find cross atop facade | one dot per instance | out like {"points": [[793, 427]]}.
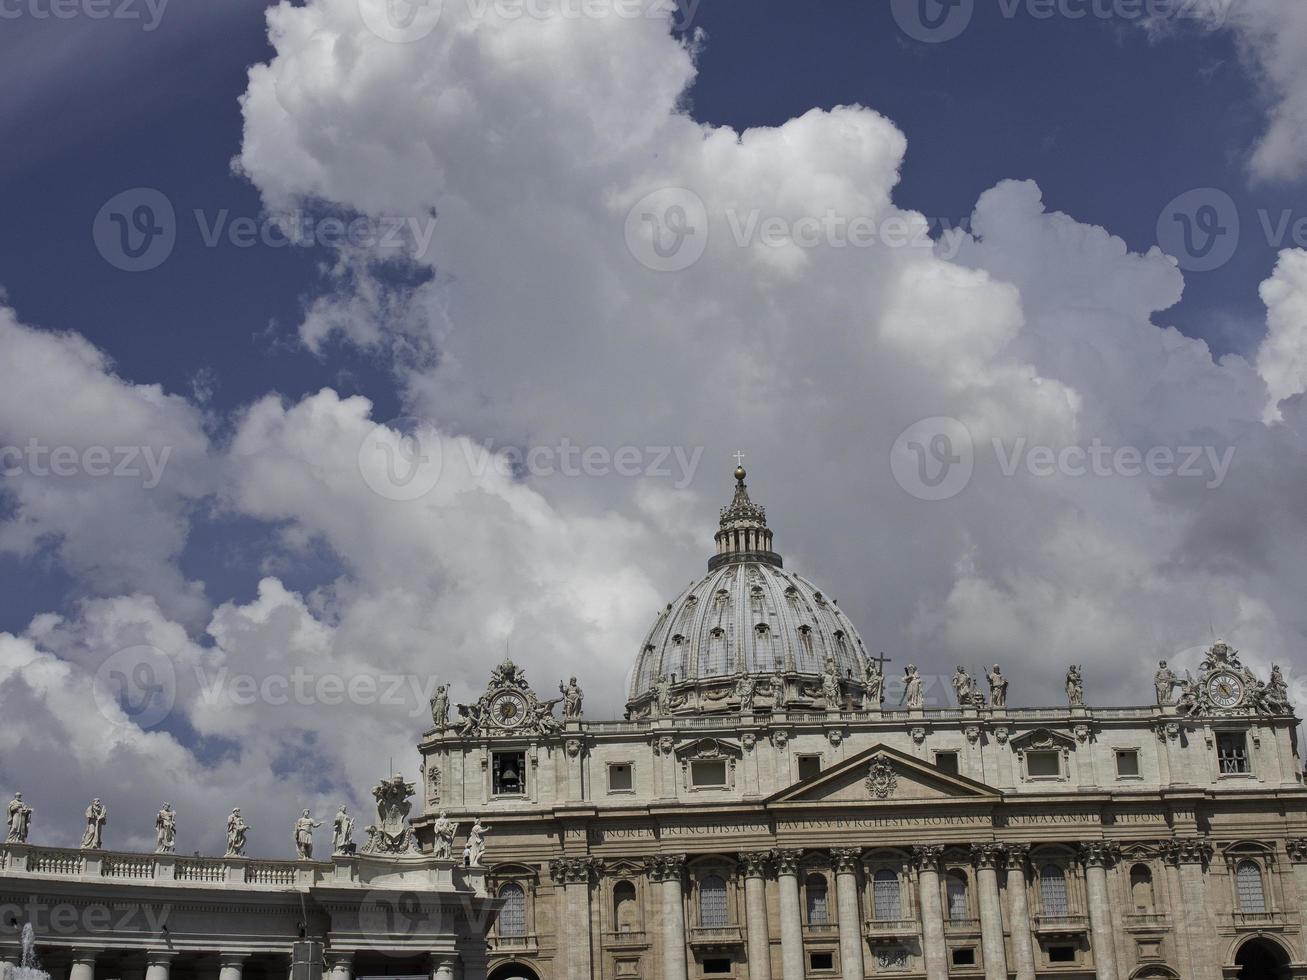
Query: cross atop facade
{"points": [[739, 457], [882, 660]]}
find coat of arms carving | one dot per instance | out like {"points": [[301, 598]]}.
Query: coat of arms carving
{"points": [[881, 780]]}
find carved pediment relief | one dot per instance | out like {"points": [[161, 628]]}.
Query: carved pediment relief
{"points": [[710, 748], [883, 775], [1043, 739]]}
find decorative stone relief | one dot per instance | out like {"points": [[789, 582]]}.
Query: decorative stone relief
{"points": [[845, 859], [1001, 734], [779, 739], [927, 856], [918, 734], [1082, 733], [988, 855], [835, 737], [1297, 848], [973, 733], [391, 834], [573, 747], [1187, 850], [787, 861], [1097, 853], [433, 784], [574, 870], [665, 867], [881, 780], [755, 864], [748, 740]]}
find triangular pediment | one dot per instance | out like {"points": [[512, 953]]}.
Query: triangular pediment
{"points": [[884, 774], [710, 748], [1044, 738]]}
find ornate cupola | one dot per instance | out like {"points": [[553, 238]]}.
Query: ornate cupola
{"points": [[743, 534]]}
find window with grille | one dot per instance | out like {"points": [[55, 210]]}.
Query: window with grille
{"points": [[512, 918], [886, 901], [712, 901], [1248, 879], [818, 907], [1232, 751], [956, 890], [1052, 890]]}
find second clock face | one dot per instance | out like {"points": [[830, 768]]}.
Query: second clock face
{"points": [[1225, 689], [508, 709]]}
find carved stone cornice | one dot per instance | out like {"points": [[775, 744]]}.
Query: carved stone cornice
{"points": [[787, 861], [926, 857], [574, 870], [1297, 848], [989, 855], [1187, 850], [665, 867], [1097, 853], [755, 864], [846, 859]]}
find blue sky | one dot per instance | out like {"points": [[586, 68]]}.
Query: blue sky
{"points": [[529, 322]]}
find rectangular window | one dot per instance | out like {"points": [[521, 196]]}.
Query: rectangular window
{"points": [[1044, 764], [1127, 763], [821, 961], [809, 766], [509, 773], [947, 761], [964, 957], [1232, 753], [1061, 954], [717, 965], [708, 773], [887, 904], [619, 777]]}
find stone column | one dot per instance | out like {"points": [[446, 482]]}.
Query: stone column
{"points": [[754, 866], [668, 870], [1096, 856], [927, 858], [987, 858], [340, 966], [787, 879], [230, 966], [1190, 855], [850, 918], [1023, 944], [158, 964], [1297, 849], [82, 964], [573, 874]]}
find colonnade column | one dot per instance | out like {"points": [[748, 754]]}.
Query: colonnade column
{"points": [[573, 873], [787, 880], [926, 857], [231, 965], [988, 857], [82, 964], [1190, 855], [158, 964], [846, 905], [754, 865], [1096, 856], [668, 870], [1023, 944]]}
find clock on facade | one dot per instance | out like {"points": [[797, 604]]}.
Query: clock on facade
{"points": [[508, 709], [1225, 689]]}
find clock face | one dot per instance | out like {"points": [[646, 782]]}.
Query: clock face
{"points": [[508, 709], [1225, 689]]}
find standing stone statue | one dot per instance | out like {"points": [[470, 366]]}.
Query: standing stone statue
{"points": [[96, 814], [342, 832], [1277, 692], [444, 830], [237, 828], [964, 686], [830, 685], [476, 843], [745, 690], [304, 828], [873, 680], [662, 696], [914, 688], [165, 830], [572, 698], [997, 687], [1075, 687], [1164, 683], [440, 707], [20, 820]]}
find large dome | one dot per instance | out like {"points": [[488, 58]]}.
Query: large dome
{"points": [[747, 617]]}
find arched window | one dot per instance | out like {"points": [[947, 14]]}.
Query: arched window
{"points": [[712, 901], [512, 919], [1248, 881], [818, 907], [1141, 888], [1052, 890], [624, 911], [955, 888], [886, 900]]}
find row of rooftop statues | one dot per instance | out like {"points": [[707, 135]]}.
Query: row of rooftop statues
{"points": [[390, 836]]}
